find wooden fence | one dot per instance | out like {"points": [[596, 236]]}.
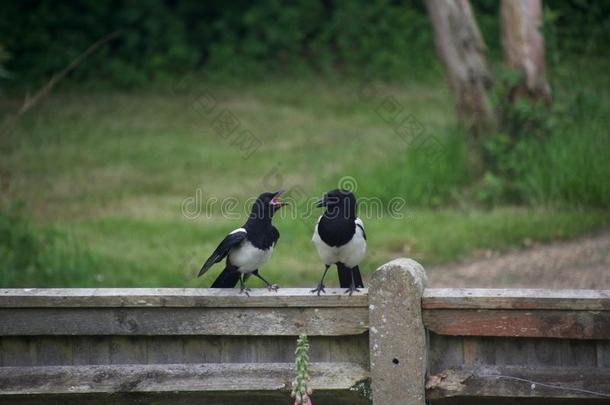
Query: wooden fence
{"points": [[397, 343]]}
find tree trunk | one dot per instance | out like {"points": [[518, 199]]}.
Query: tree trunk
{"points": [[523, 46], [461, 49]]}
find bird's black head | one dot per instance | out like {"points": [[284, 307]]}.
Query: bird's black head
{"points": [[266, 205], [339, 202]]}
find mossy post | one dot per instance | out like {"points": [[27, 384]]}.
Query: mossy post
{"points": [[397, 337]]}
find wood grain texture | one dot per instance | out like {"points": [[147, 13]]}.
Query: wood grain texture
{"points": [[17, 351], [128, 350], [509, 382], [322, 397], [603, 353], [52, 351], [202, 349], [488, 298], [176, 297], [172, 378], [442, 298], [184, 321], [90, 350], [444, 352], [519, 323], [175, 349]]}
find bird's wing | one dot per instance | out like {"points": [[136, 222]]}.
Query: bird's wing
{"points": [[230, 241], [360, 225], [276, 235]]}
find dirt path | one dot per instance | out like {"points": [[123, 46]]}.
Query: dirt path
{"points": [[580, 263]]}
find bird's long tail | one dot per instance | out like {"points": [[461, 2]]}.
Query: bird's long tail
{"points": [[345, 276], [228, 278]]}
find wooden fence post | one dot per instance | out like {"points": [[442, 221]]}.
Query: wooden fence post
{"points": [[397, 337]]}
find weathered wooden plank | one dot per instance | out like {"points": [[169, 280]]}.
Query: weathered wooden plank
{"points": [[172, 378], [183, 321], [279, 349], [18, 351], [579, 353], [519, 323], [353, 349], [321, 397], [444, 352], [176, 297], [546, 352], [509, 352], [237, 349], [319, 349], [470, 347], [603, 353], [520, 382], [485, 351], [51, 351], [164, 350], [90, 350], [446, 298], [397, 338], [128, 349], [202, 349], [488, 298]]}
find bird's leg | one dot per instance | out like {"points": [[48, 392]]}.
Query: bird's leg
{"points": [[270, 287], [320, 287], [242, 285], [352, 288]]}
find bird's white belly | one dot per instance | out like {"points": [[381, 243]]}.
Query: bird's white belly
{"points": [[248, 258], [350, 254]]}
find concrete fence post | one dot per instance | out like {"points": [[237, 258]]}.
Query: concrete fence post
{"points": [[397, 337]]}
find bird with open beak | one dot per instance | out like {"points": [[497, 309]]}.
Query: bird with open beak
{"points": [[247, 248]]}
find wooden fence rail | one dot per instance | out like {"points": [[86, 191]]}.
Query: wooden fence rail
{"points": [[394, 343]]}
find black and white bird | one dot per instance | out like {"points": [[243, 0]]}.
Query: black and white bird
{"points": [[249, 247], [340, 239]]}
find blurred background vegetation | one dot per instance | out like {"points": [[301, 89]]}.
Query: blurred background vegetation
{"points": [[94, 179]]}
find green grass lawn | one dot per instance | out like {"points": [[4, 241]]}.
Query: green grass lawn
{"points": [[105, 178]]}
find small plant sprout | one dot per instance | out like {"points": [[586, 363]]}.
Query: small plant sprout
{"points": [[300, 390]]}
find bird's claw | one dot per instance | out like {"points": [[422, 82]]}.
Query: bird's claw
{"points": [[351, 290], [318, 289], [273, 287], [245, 290]]}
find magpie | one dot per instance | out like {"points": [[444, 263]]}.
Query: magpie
{"points": [[340, 239], [249, 247]]}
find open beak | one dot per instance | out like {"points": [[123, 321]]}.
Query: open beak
{"points": [[321, 202], [275, 202]]}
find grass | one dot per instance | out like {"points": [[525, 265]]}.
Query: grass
{"points": [[113, 173]]}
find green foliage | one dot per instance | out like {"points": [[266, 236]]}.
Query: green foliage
{"points": [[4, 57], [571, 168], [4, 73], [45, 36], [380, 38], [576, 27], [39, 257], [430, 174], [551, 157], [163, 39], [520, 117]]}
